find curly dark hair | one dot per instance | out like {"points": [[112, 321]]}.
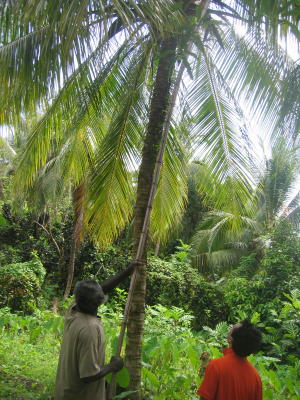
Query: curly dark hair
{"points": [[88, 296], [246, 339]]}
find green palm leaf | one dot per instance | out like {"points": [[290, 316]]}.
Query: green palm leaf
{"points": [[218, 140], [75, 108], [171, 194], [112, 192]]}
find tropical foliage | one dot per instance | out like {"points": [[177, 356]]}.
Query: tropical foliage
{"points": [[226, 234], [166, 375], [91, 88], [110, 83]]}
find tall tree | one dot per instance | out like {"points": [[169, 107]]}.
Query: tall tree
{"points": [[158, 110]]}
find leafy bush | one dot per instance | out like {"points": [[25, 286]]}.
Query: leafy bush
{"points": [[261, 280], [243, 296], [208, 305], [21, 284], [282, 336], [171, 320], [36, 325], [279, 382], [94, 264], [176, 283], [9, 255], [28, 362]]}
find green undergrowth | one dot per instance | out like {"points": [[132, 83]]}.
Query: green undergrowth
{"points": [[27, 368], [171, 356]]}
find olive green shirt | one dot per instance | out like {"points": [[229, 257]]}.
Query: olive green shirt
{"points": [[82, 354]]}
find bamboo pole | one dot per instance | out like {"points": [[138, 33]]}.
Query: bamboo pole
{"points": [[143, 237]]}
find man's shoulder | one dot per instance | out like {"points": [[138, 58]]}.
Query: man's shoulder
{"points": [[88, 322], [215, 364], [220, 362], [88, 329], [217, 361], [84, 323]]}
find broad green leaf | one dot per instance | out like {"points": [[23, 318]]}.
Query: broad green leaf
{"points": [[123, 377]]}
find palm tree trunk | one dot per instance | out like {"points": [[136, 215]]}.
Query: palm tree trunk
{"points": [[78, 196], [1, 189], [158, 111], [71, 268], [157, 247]]}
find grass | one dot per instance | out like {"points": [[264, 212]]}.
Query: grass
{"points": [[27, 369]]}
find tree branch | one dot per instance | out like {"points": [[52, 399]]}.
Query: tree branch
{"points": [[49, 233]]}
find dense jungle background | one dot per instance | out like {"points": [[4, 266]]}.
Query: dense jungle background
{"points": [[189, 307]]}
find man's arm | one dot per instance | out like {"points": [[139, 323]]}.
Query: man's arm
{"points": [[112, 283], [208, 387], [116, 363]]}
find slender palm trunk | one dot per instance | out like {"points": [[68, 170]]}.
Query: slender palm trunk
{"points": [[78, 196], [1, 188], [157, 248], [158, 111], [71, 268]]}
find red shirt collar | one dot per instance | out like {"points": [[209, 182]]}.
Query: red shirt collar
{"points": [[227, 351]]}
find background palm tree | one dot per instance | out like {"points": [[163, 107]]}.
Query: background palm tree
{"points": [[224, 235], [7, 155]]}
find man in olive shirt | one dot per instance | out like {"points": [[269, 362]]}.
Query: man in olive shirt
{"points": [[81, 370]]}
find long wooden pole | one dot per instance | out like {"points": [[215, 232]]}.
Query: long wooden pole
{"points": [[144, 233]]}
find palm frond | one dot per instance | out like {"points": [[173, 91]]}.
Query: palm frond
{"points": [[274, 19], [278, 182], [288, 124], [46, 189], [294, 202], [44, 42], [80, 103], [219, 229], [111, 192], [217, 261], [171, 193], [294, 217], [38, 62], [6, 150], [218, 141], [254, 69]]}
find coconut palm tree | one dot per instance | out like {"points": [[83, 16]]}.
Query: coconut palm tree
{"points": [[7, 155], [117, 62], [225, 235]]}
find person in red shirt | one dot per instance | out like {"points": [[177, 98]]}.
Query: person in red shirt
{"points": [[232, 377]]}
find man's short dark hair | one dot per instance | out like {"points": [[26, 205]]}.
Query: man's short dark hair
{"points": [[246, 339], [89, 295]]}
